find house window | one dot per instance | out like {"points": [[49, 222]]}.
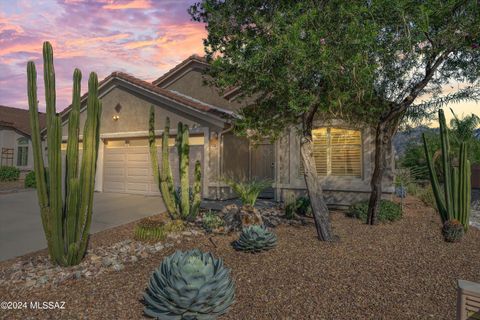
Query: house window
{"points": [[6, 157], [22, 152], [337, 152]]}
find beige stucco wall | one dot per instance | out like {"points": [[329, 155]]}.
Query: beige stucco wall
{"points": [[134, 114], [191, 84], [9, 139]]}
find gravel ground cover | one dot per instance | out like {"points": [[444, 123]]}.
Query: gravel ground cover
{"points": [[402, 270]]}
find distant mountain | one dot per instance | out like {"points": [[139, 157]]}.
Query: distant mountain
{"points": [[403, 138], [414, 135]]}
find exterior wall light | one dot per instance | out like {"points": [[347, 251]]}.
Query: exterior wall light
{"points": [[116, 117]]}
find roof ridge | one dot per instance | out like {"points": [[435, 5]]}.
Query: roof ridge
{"points": [[169, 73], [145, 85]]}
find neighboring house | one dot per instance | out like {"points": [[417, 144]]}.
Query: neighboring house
{"points": [[15, 143], [344, 155]]}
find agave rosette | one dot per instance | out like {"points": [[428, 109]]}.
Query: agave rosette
{"points": [[255, 238], [189, 285]]}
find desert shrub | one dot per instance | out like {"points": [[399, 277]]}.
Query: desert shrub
{"points": [[248, 191], [290, 209], [211, 221], [149, 229], [174, 226], [413, 189], [427, 197], [30, 180], [8, 173], [304, 207], [389, 211], [300, 206]]}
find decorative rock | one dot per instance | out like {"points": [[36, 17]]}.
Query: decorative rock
{"points": [[106, 262], [231, 217], [133, 259], [118, 267]]}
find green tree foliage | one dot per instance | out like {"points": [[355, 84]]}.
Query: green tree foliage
{"points": [[368, 61]]}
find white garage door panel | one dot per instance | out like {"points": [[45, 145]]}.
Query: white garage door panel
{"points": [[129, 170], [113, 186]]}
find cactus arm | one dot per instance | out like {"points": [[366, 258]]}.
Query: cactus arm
{"points": [[197, 188], [446, 164], [36, 140], [54, 141], [49, 80], [183, 154], [39, 166], [87, 175], [164, 175], [152, 145], [71, 173], [434, 182], [468, 169], [456, 201], [161, 178], [464, 187]]}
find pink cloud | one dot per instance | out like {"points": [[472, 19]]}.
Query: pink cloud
{"points": [[135, 4], [143, 38]]}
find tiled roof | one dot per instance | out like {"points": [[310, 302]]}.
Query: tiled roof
{"points": [[19, 119], [195, 104], [179, 66]]}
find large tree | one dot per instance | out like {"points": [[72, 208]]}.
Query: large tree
{"points": [[366, 61], [421, 48], [277, 54]]}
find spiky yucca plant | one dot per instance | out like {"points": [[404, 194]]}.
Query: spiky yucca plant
{"points": [[189, 285], [248, 191], [255, 239]]}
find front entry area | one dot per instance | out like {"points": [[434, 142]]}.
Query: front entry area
{"points": [[243, 160]]}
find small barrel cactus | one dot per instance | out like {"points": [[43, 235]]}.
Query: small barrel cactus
{"points": [[150, 229], [189, 285], [453, 230], [255, 239]]}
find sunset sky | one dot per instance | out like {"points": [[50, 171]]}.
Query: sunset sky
{"points": [[145, 38]]}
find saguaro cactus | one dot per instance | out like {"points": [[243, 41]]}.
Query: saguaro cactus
{"points": [[184, 202], [454, 202], [66, 223]]}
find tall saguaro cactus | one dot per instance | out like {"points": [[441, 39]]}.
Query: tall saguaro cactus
{"points": [[453, 202], [184, 202], [66, 222]]}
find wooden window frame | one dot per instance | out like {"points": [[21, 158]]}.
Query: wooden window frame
{"points": [[328, 172]]}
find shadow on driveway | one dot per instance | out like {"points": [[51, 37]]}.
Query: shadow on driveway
{"points": [[21, 229]]}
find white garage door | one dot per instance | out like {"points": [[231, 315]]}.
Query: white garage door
{"points": [[127, 167]]}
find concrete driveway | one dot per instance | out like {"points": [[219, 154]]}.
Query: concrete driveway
{"points": [[21, 228]]}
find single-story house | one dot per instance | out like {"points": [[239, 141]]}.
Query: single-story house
{"points": [[344, 155], [15, 143]]}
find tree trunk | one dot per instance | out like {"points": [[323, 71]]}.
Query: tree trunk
{"points": [[320, 211], [383, 142]]}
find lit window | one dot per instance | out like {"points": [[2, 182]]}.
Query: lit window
{"points": [[337, 152]]}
